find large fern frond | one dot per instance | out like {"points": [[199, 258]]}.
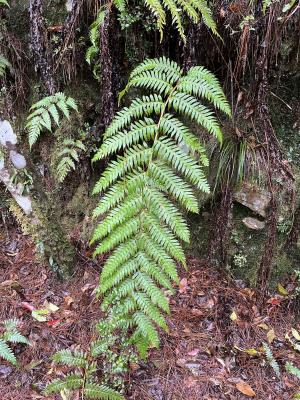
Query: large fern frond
{"points": [[146, 187]]}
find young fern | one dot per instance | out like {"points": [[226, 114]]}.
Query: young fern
{"points": [[146, 187], [67, 158], [83, 379], [45, 112], [290, 367], [271, 359], [10, 335]]}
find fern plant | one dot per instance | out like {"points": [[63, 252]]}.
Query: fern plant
{"points": [[10, 335], [83, 379], [94, 35], [46, 112], [161, 163], [3, 65], [67, 157], [292, 369], [271, 359], [193, 9]]}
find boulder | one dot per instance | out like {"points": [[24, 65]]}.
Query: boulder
{"points": [[253, 223], [256, 199]]}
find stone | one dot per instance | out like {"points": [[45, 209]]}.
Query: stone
{"points": [[253, 223], [254, 198], [7, 134], [17, 159]]}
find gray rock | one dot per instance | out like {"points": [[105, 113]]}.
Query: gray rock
{"points": [[255, 199], [253, 223], [7, 134], [17, 159]]}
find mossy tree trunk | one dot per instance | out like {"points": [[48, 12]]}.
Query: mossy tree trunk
{"points": [[39, 209]]}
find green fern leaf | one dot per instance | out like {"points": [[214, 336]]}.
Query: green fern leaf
{"points": [[6, 352], [292, 369], [94, 391], [70, 382], [67, 357]]}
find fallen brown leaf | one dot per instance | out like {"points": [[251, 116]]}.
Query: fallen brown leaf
{"points": [[245, 388]]}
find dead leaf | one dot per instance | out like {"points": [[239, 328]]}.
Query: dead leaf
{"points": [[233, 316], [196, 312], [263, 326], [222, 12], [275, 301], [193, 352], [183, 285], [87, 287], [27, 306], [271, 335], [296, 334], [245, 388], [50, 306], [251, 352], [68, 300], [282, 290]]}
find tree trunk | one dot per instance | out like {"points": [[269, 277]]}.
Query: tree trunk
{"points": [[40, 212]]}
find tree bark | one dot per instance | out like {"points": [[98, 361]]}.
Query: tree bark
{"points": [[41, 214], [38, 43]]}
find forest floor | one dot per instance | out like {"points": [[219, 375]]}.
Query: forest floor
{"points": [[213, 350]]}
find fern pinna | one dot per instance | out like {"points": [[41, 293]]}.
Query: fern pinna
{"points": [[147, 186]]}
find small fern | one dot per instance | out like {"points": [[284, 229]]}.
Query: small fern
{"points": [[45, 112], [94, 35], [142, 225], [10, 335], [271, 359], [83, 379], [289, 367], [3, 65], [67, 157]]}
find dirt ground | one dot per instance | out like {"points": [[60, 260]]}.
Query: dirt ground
{"points": [[213, 350]]}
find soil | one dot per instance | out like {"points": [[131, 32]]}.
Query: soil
{"points": [[213, 350]]}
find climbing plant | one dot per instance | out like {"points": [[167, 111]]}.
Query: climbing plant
{"points": [[145, 189]]}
